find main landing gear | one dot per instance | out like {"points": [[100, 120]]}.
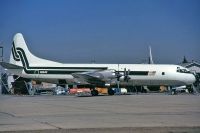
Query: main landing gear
{"points": [[94, 92], [110, 91]]}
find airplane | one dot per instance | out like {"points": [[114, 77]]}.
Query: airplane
{"points": [[23, 63]]}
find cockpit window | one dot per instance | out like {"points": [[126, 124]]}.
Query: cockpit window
{"points": [[182, 70]]}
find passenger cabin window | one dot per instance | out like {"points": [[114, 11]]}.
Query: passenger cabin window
{"points": [[163, 73]]}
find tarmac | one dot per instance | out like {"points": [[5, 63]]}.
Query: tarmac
{"points": [[101, 114]]}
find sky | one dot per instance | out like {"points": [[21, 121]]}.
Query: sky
{"points": [[107, 31]]}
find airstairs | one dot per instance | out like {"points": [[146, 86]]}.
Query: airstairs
{"points": [[6, 83]]}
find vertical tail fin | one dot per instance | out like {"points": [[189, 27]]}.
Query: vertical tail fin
{"points": [[150, 56], [21, 56], [18, 42]]}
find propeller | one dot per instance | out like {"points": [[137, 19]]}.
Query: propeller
{"points": [[119, 74], [126, 75]]}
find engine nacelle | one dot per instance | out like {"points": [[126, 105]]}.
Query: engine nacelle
{"points": [[103, 75]]}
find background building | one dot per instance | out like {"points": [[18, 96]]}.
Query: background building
{"points": [[193, 66]]}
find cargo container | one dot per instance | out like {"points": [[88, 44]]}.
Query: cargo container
{"points": [[102, 90]]}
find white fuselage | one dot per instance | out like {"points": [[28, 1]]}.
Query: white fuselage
{"points": [[140, 74]]}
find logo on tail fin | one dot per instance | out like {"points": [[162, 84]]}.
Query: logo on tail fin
{"points": [[14, 53]]}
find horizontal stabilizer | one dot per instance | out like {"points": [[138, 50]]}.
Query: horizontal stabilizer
{"points": [[10, 66]]}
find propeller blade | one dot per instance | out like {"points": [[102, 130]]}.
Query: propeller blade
{"points": [[126, 75], [128, 72]]}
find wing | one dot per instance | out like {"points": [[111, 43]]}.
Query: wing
{"points": [[98, 78], [91, 78]]}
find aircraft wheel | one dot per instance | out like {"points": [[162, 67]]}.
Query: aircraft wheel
{"points": [[110, 92], [94, 92]]}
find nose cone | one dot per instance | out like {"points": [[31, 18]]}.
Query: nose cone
{"points": [[191, 79]]}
